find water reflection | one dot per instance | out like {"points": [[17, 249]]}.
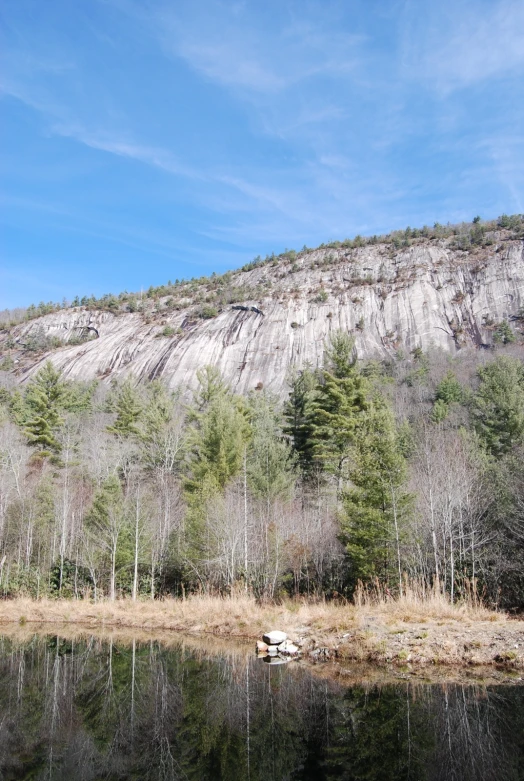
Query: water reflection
{"points": [[88, 709]]}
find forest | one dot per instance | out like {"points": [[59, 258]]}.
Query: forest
{"points": [[369, 472]]}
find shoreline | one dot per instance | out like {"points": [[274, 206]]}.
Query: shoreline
{"points": [[401, 633]]}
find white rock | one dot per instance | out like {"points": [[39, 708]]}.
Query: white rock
{"points": [[288, 648], [412, 305], [275, 637]]}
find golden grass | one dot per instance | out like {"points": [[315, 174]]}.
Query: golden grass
{"points": [[241, 616], [419, 603]]}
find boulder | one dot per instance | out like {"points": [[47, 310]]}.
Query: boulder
{"points": [[274, 637], [261, 647], [288, 648]]}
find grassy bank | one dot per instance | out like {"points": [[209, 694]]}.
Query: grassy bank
{"points": [[415, 629]]}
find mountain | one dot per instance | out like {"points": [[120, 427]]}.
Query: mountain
{"points": [[397, 293]]}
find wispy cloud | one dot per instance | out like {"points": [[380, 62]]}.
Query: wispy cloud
{"points": [[458, 47], [60, 124], [156, 157], [225, 47], [177, 128]]}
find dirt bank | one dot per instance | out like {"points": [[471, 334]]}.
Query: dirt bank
{"points": [[402, 633]]}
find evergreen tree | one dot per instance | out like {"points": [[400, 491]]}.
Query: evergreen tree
{"points": [[297, 416], [217, 445], [270, 462], [449, 389], [161, 439], [44, 401], [128, 407], [503, 333], [376, 504], [337, 408], [498, 406], [210, 385], [336, 416], [217, 442], [340, 358]]}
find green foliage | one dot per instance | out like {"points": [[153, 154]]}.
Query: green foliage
{"points": [[340, 356], [211, 385], [377, 505], [503, 333], [449, 391], [218, 436], [270, 462], [498, 405], [208, 312], [341, 402], [107, 507], [40, 411], [297, 415], [7, 364], [161, 438], [110, 530], [440, 411], [128, 407]]}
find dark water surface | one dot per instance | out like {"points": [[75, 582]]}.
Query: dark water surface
{"points": [[92, 709]]}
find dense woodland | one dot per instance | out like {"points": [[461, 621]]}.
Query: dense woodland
{"points": [[369, 471]]}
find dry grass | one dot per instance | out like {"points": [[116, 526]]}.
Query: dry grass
{"points": [[417, 628], [420, 603], [241, 616]]}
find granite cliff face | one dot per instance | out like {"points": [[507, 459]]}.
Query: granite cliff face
{"points": [[428, 294]]}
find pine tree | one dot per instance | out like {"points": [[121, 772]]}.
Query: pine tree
{"points": [[298, 418], [217, 442], [161, 439], [498, 406], [211, 385], [449, 389], [43, 402], [336, 415], [503, 333], [336, 409], [340, 358], [376, 505], [270, 462], [128, 407]]}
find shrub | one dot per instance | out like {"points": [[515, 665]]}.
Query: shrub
{"points": [[503, 333], [208, 312], [321, 297]]}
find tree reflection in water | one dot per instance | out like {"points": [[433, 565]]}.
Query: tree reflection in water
{"points": [[92, 710]]}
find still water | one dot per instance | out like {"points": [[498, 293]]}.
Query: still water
{"points": [[128, 709]]}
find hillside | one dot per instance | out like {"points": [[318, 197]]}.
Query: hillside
{"points": [[394, 294]]}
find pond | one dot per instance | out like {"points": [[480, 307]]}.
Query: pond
{"points": [[90, 708]]}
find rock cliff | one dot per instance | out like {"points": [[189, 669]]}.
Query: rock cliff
{"points": [[427, 294]]}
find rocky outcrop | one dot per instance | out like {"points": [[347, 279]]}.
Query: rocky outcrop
{"points": [[421, 296]]}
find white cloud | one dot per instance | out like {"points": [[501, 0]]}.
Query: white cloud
{"points": [[156, 157], [460, 47], [231, 49]]}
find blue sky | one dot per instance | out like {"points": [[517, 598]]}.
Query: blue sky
{"points": [[147, 140]]}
